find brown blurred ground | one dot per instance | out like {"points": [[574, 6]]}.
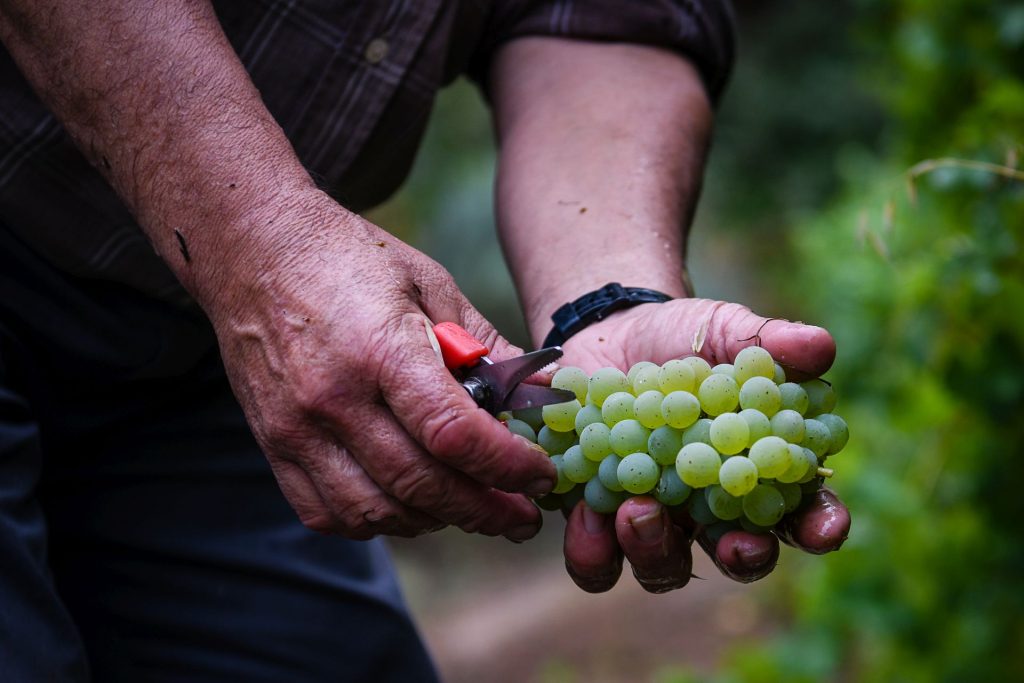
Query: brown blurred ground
{"points": [[494, 611]]}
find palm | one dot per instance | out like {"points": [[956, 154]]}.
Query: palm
{"points": [[717, 331]]}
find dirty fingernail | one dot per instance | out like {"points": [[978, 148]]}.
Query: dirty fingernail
{"points": [[522, 532], [539, 487], [648, 527]]}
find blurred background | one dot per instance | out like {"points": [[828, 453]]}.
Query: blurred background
{"points": [[816, 208]]}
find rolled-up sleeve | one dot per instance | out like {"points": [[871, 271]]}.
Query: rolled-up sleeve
{"points": [[702, 30]]}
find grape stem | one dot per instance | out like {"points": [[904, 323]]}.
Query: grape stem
{"points": [[825, 472]]}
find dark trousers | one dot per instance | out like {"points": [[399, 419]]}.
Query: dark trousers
{"points": [[142, 534]]}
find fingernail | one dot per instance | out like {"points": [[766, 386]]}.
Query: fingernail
{"points": [[539, 487], [522, 532], [648, 527], [535, 446], [756, 558], [593, 522]]}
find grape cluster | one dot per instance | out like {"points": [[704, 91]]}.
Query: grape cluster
{"points": [[747, 441]]}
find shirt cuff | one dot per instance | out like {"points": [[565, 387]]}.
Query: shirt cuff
{"points": [[702, 30]]}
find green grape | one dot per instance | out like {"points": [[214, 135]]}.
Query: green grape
{"points": [[550, 502], [605, 382], [628, 436], [791, 494], [719, 529], [697, 465], [738, 475], [727, 369], [700, 512], [676, 375], [780, 374], [680, 409], [718, 394], [647, 409], [771, 455], [594, 441], [531, 416], [729, 433], [752, 528], [522, 429], [588, 415], [798, 465], [617, 407], [664, 443], [788, 425], [764, 505], [572, 379], [722, 504], [571, 497], [812, 466], [838, 429], [638, 473], [646, 379], [608, 473], [753, 361], [637, 367], [564, 483], [760, 393], [794, 397], [601, 499], [555, 443], [578, 468], [820, 396], [817, 437], [671, 490], [698, 432], [701, 369], [561, 417], [757, 423]]}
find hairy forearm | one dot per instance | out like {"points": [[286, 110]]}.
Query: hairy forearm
{"points": [[602, 150], [155, 97]]}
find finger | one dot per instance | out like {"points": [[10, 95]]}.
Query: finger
{"points": [[407, 473], [723, 329], [332, 494], [742, 556], [820, 526], [656, 548], [592, 556], [438, 413]]}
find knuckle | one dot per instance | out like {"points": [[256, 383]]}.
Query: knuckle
{"points": [[419, 486], [449, 431], [474, 518]]}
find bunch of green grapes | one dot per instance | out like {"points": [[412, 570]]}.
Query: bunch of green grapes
{"points": [[736, 443]]}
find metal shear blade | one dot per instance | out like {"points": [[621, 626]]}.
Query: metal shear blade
{"points": [[503, 381]]}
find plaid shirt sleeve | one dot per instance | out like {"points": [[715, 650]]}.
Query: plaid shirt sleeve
{"points": [[700, 29]]}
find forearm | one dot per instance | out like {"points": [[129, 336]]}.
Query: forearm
{"points": [[602, 150], [156, 98]]}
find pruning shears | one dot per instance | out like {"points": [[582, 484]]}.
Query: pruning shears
{"points": [[496, 386]]}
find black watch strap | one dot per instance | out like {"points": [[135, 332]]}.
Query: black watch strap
{"points": [[572, 317]]}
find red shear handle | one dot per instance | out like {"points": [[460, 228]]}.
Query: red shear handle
{"points": [[458, 347]]}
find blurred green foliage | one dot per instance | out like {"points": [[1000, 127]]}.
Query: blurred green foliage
{"points": [[921, 280]]}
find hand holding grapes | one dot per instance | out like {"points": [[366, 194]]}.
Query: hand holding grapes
{"points": [[656, 539]]}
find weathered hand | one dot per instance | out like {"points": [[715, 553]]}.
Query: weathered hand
{"points": [[655, 539], [365, 429]]}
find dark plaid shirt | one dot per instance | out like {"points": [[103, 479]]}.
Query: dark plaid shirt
{"points": [[351, 83]]}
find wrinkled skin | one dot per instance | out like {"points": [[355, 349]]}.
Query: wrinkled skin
{"points": [[365, 429], [655, 539]]}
